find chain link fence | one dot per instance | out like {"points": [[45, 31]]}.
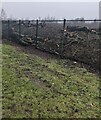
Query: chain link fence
{"points": [[75, 39]]}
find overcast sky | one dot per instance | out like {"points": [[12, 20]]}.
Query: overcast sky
{"points": [[59, 10]]}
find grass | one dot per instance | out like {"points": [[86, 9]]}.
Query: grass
{"points": [[34, 87]]}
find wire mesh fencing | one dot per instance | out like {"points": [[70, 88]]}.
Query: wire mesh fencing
{"points": [[75, 39]]}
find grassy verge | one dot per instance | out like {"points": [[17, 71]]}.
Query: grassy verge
{"points": [[37, 88]]}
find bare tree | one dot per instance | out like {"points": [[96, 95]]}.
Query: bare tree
{"points": [[3, 15]]}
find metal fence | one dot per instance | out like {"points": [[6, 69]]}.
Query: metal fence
{"points": [[76, 39]]}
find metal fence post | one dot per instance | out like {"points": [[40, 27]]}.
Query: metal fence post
{"points": [[36, 32], [8, 25], [62, 39], [64, 23], [19, 29]]}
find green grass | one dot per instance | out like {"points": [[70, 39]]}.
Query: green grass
{"points": [[33, 87]]}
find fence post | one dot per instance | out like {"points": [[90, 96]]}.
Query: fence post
{"points": [[19, 29], [36, 32], [64, 24], [8, 25]]}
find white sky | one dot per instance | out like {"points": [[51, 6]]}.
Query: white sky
{"points": [[33, 9]]}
